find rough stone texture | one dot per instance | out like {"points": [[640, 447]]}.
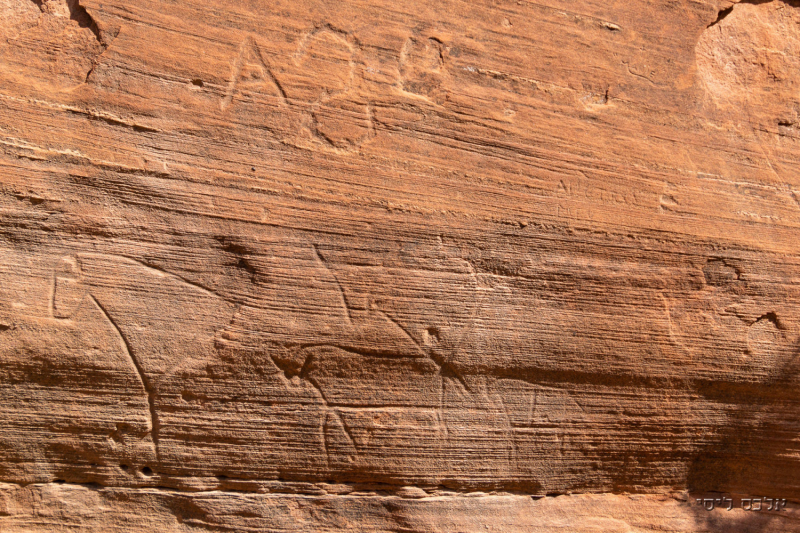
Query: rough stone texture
{"points": [[48, 507], [399, 266]]}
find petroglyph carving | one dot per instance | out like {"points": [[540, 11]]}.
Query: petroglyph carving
{"points": [[366, 344], [317, 90], [251, 73], [96, 280], [395, 347], [320, 110], [143, 378], [722, 306], [327, 257], [422, 67]]}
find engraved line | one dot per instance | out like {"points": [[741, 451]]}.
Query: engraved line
{"points": [[440, 413], [515, 452], [237, 68], [407, 333], [148, 387], [330, 409], [52, 302], [338, 284], [346, 429], [250, 43], [160, 272], [673, 338], [444, 366]]}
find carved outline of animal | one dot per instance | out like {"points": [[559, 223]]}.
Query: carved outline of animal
{"points": [[87, 288], [397, 331]]}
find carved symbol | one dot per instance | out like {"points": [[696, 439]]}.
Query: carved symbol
{"points": [[333, 119], [92, 277], [251, 73], [422, 68], [317, 85]]}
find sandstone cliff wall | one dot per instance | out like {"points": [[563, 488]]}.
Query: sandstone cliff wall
{"points": [[399, 266]]}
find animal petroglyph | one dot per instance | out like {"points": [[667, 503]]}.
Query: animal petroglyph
{"points": [[366, 342], [397, 347], [410, 368], [125, 292]]}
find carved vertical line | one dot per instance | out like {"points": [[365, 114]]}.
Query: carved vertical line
{"points": [[440, 415], [52, 302], [237, 67]]}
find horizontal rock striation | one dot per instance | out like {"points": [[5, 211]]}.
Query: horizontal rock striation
{"points": [[445, 266]]}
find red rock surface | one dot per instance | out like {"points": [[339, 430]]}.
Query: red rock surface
{"points": [[399, 266]]}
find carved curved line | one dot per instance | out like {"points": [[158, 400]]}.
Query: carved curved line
{"points": [[158, 272], [328, 407], [342, 36], [146, 385], [311, 123], [338, 284]]}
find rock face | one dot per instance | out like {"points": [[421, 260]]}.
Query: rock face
{"points": [[381, 266]]}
